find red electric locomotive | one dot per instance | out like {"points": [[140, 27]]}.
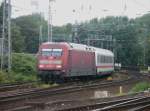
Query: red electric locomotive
{"points": [[58, 61]]}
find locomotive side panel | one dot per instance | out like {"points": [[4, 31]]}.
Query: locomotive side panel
{"points": [[81, 63]]}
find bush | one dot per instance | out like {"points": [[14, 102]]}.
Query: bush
{"points": [[140, 87], [24, 63], [3, 77], [19, 77], [23, 69]]}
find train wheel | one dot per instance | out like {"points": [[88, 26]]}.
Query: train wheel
{"points": [[47, 79], [50, 79], [42, 78], [60, 79]]}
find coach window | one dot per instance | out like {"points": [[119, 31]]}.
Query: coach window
{"points": [[112, 59], [103, 59], [98, 58], [46, 52], [108, 59]]}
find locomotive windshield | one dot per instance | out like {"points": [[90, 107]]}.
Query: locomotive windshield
{"points": [[52, 52]]}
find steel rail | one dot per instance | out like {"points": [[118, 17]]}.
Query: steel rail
{"points": [[12, 86], [141, 108], [92, 106], [49, 91], [100, 106], [126, 105], [54, 91]]}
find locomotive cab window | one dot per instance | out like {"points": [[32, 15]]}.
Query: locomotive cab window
{"points": [[57, 52], [46, 52], [51, 52]]}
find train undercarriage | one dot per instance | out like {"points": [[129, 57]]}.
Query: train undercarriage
{"points": [[51, 76], [56, 77]]}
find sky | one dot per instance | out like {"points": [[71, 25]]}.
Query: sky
{"points": [[69, 11]]}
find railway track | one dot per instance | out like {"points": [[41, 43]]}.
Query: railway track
{"points": [[25, 85], [62, 89], [133, 102], [66, 88], [44, 93], [14, 86], [129, 104], [20, 97]]}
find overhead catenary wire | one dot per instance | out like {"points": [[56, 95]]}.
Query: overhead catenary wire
{"points": [[140, 4]]}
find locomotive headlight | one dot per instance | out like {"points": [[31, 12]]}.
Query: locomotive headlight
{"points": [[41, 66], [58, 66]]}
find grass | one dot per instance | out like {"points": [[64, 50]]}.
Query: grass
{"points": [[140, 87]]}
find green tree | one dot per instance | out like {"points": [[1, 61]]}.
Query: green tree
{"points": [[62, 32], [17, 39], [122, 29], [29, 28], [143, 30]]}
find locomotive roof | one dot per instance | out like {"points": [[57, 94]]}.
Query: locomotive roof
{"points": [[83, 47]]}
